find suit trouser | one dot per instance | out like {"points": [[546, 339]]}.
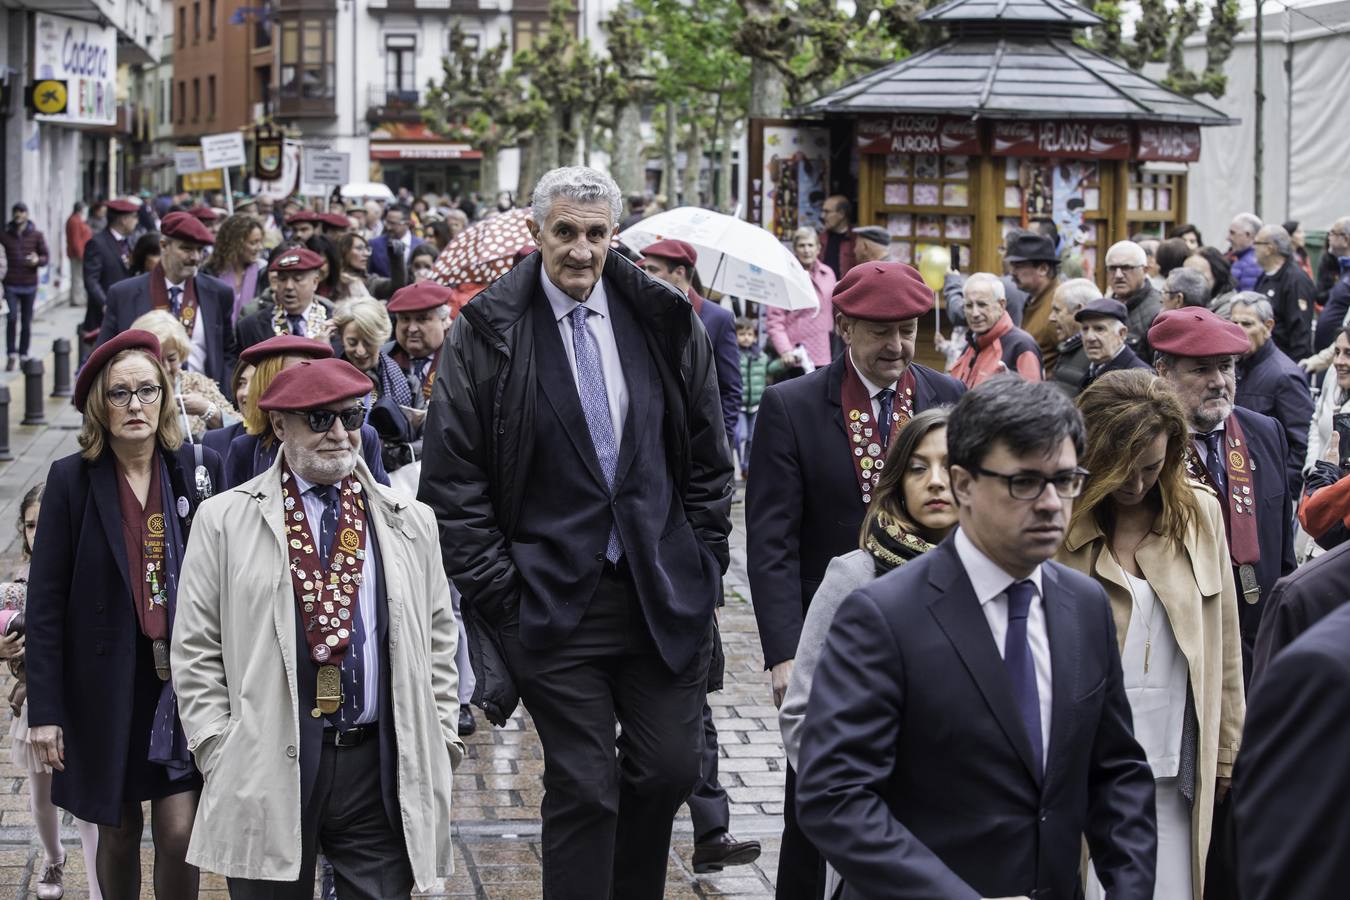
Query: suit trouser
{"points": [[799, 862], [709, 807], [346, 816], [607, 821]]}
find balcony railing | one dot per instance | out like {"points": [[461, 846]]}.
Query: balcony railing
{"points": [[385, 104]]}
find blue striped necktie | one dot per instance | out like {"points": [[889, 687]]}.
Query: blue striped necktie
{"points": [[595, 404]]}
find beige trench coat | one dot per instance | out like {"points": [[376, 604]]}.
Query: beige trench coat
{"points": [[1196, 589], [234, 669]]}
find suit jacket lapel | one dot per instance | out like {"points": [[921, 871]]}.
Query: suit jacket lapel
{"points": [[206, 302], [103, 480], [638, 375], [1061, 625], [834, 388], [959, 615], [555, 378]]}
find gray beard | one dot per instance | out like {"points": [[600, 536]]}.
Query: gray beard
{"points": [[1204, 422], [317, 468]]}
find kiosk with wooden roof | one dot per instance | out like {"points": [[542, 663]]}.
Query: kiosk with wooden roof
{"points": [[1009, 121]]}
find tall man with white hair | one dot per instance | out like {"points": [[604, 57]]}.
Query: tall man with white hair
{"points": [[1127, 279], [1070, 297], [1288, 288], [1241, 252], [1271, 383], [577, 460], [994, 345]]}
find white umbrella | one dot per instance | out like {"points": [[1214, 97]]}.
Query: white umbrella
{"points": [[734, 257], [367, 190]]}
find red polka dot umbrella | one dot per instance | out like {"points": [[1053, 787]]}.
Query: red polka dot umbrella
{"points": [[485, 251]]}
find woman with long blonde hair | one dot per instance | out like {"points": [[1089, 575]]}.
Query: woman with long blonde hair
{"points": [[1154, 540]]}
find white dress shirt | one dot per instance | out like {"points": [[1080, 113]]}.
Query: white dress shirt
{"points": [[365, 600], [602, 326], [991, 584], [872, 389], [196, 361]]}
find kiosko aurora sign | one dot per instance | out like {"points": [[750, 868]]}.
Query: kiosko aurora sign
{"points": [[84, 56]]}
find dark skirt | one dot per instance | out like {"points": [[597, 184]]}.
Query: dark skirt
{"points": [[143, 780]]}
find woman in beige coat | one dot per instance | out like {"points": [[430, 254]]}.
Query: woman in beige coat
{"points": [[1154, 540]]}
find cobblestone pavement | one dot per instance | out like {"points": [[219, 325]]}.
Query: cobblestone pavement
{"points": [[498, 787]]}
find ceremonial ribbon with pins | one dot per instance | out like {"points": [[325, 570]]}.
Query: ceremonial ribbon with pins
{"points": [[326, 590], [187, 306], [864, 432], [1239, 506], [315, 316], [429, 379]]}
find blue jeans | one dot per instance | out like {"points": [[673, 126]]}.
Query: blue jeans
{"points": [[20, 300], [745, 429]]}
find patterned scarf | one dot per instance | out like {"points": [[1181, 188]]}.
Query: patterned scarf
{"points": [[890, 545]]}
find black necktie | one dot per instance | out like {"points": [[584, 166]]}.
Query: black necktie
{"points": [[885, 403], [1021, 666], [1215, 462], [297, 325], [175, 295]]}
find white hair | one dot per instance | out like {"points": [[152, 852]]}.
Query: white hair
{"points": [[1258, 303], [985, 279], [1136, 254], [1250, 222], [1279, 239], [1076, 292], [580, 183]]}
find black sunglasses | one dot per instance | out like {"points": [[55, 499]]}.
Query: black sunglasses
{"points": [[321, 420]]}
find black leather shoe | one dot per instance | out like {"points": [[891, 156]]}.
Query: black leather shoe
{"points": [[722, 850], [467, 724]]}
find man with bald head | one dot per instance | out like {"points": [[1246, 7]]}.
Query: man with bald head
{"points": [[1127, 280], [1289, 290]]}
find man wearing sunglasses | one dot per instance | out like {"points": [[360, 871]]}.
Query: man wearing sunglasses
{"points": [[315, 659], [982, 649]]}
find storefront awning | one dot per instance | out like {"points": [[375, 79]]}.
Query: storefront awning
{"points": [[428, 150]]}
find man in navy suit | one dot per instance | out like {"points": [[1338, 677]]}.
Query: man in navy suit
{"points": [[576, 457], [201, 303], [396, 237], [1239, 453], [968, 724], [107, 258], [805, 503], [1291, 780]]}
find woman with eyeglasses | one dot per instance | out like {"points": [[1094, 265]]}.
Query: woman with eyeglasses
{"points": [[102, 592], [1154, 540], [254, 452]]}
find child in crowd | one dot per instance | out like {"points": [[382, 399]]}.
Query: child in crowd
{"points": [[756, 371]]}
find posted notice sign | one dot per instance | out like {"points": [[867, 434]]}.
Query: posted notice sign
{"points": [[223, 151], [325, 166]]}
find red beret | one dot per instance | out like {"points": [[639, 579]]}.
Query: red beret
{"points": [[203, 213], [678, 252], [297, 259], [132, 339], [334, 220], [286, 345], [124, 206], [1195, 331], [315, 383], [419, 296], [183, 227], [303, 215], [882, 292]]}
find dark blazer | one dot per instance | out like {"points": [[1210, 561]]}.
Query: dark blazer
{"points": [[219, 439], [256, 327], [379, 253], [1274, 515], [1329, 321], [1274, 385], [803, 507], [721, 328], [916, 779], [1291, 780], [129, 300], [102, 269], [1125, 359], [1299, 601], [1291, 293], [248, 458], [82, 628]]}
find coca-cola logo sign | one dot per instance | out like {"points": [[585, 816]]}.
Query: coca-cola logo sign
{"points": [[1168, 143], [1062, 138]]}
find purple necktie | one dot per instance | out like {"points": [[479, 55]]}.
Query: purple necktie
{"points": [[595, 404], [1022, 668]]}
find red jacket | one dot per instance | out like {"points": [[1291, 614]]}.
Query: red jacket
{"points": [[846, 258], [78, 234], [1003, 348]]}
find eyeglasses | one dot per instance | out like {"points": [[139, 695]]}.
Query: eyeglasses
{"points": [[1261, 243], [1114, 269], [321, 420], [1029, 486], [122, 396]]}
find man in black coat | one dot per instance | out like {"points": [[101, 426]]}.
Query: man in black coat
{"points": [[1299, 601], [968, 725], [1333, 284], [202, 304], [1271, 383], [576, 458], [1288, 288], [1291, 780], [1127, 275], [107, 258], [805, 502], [1104, 330]]}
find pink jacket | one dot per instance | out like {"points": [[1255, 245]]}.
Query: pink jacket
{"points": [[809, 327]]}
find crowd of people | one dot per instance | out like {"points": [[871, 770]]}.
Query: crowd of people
{"points": [[1034, 624]]}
